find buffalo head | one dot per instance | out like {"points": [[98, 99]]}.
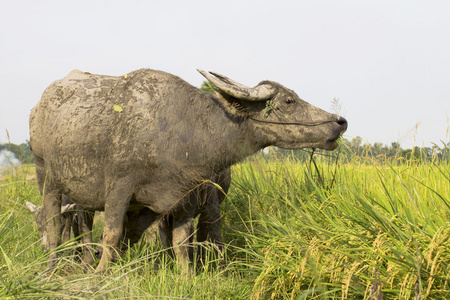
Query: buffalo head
{"points": [[279, 116]]}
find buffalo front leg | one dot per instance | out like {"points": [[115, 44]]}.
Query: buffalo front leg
{"points": [[208, 227], [213, 218], [165, 226], [183, 230], [116, 207]]}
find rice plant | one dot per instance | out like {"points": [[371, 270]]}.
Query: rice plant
{"points": [[305, 239]]}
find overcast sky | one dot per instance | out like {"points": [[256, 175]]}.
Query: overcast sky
{"points": [[387, 61]]}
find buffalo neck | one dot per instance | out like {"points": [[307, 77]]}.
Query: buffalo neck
{"points": [[227, 138]]}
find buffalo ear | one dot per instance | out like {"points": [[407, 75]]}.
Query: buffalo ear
{"points": [[32, 207]]}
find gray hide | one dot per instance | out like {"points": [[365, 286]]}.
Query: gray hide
{"points": [[120, 144]]}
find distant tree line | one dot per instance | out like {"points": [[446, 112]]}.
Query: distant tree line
{"points": [[354, 150], [394, 153], [21, 152]]}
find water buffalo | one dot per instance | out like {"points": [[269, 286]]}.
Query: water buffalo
{"points": [[144, 140]]}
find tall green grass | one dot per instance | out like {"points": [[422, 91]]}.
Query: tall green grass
{"points": [[293, 231], [306, 238]]}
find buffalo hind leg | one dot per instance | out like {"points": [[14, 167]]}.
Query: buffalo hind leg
{"points": [[85, 222], [52, 210]]}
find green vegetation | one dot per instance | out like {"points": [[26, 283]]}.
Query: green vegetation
{"points": [[333, 238], [208, 86], [319, 229], [21, 152]]}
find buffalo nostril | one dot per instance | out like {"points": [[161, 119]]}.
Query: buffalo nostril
{"points": [[342, 121]]}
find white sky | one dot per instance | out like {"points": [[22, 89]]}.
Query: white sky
{"points": [[387, 61]]}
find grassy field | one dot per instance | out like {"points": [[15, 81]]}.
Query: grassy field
{"points": [[293, 231]]}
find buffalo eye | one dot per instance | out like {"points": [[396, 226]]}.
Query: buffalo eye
{"points": [[290, 101]]}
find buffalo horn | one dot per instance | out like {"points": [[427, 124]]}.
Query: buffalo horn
{"points": [[229, 81], [67, 207], [32, 207], [259, 93]]}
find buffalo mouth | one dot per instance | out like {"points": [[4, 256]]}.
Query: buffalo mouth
{"points": [[332, 143], [335, 137]]}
